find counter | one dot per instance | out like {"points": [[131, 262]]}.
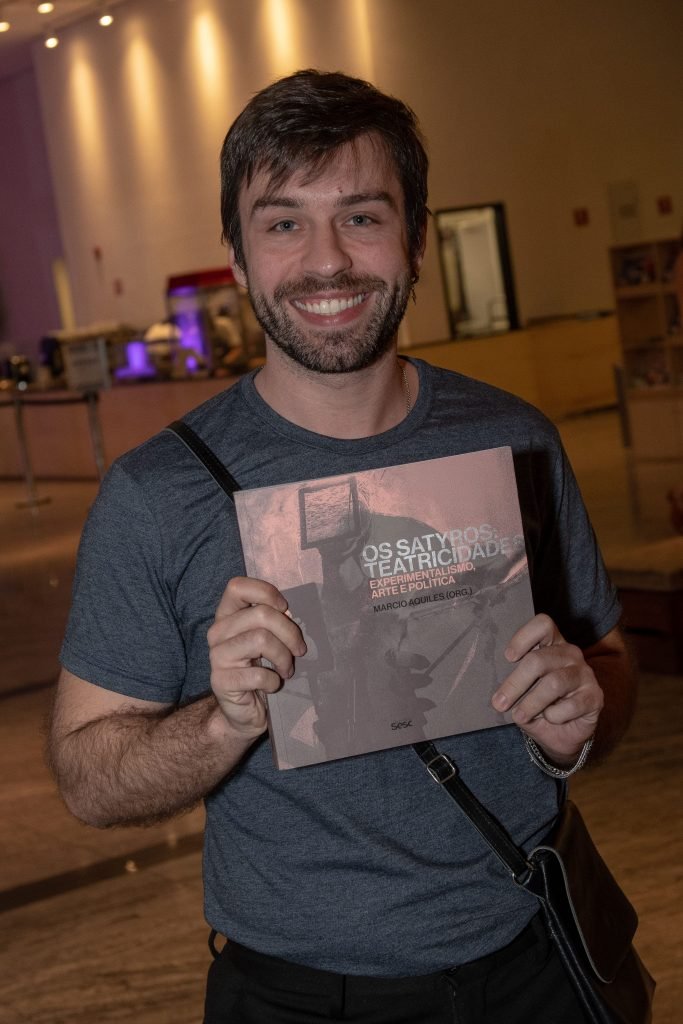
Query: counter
{"points": [[563, 367]]}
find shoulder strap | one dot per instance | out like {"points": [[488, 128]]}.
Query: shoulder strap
{"points": [[440, 767], [445, 772], [202, 451]]}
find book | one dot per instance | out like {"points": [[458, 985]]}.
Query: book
{"points": [[408, 582]]}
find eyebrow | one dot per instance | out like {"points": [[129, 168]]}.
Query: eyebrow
{"points": [[367, 197], [288, 203], [280, 201]]}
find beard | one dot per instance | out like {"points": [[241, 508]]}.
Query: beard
{"points": [[334, 351]]}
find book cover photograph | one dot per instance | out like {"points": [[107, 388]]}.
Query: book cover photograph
{"points": [[408, 582]]}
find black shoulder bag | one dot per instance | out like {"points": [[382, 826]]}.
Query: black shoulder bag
{"points": [[589, 918]]}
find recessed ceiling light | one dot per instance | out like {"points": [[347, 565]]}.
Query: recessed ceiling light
{"points": [[45, 8], [51, 41]]}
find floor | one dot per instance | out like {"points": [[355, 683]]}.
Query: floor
{"points": [[107, 926]]}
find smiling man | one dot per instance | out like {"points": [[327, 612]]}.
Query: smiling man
{"points": [[326, 262], [349, 890]]}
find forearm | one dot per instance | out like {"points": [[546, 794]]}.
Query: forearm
{"points": [[616, 674], [136, 767]]}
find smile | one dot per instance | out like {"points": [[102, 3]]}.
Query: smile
{"points": [[330, 307]]}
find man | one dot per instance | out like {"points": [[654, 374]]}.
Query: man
{"points": [[351, 890]]}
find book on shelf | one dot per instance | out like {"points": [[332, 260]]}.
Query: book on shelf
{"points": [[408, 582]]}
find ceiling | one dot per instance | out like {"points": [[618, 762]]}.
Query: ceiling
{"points": [[27, 26]]}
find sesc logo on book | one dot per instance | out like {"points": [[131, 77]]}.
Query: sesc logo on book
{"points": [[407, 583]]}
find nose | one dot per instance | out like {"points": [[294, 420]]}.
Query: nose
{"points": [[326, 254]]}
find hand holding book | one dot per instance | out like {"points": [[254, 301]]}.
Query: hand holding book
{"points": [[552, 692], [251, 624]]}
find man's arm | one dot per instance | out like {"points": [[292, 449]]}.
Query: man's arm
{"points": [[616, 672], [561, 696], [122, 761]]}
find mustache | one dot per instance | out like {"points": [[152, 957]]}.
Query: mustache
{"points": [[344, 281]]}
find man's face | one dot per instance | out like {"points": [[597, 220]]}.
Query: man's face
{"points": [[326, 259]]}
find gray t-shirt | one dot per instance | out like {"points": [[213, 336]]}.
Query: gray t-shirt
{"points": [[361, 865]]}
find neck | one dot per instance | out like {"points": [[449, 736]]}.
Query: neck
{"points": [[345, 405]]}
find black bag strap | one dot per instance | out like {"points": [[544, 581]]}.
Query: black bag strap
{"points": [[443, 770], [193, 441], [440, 767]]}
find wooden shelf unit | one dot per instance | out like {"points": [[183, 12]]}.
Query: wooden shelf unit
{"points": [[648, 314], [651, 340]]}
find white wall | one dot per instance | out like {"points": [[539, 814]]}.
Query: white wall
{"points": [[539, 103]]}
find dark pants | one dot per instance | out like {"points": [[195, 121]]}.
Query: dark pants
{"points": [[523, 983]]}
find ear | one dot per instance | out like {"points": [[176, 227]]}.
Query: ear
{"points": [[416, 265], [416, 261], [237, 270]]}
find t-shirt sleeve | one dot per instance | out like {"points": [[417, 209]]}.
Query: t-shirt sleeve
{"points": [[122, 632], [569, 578]]}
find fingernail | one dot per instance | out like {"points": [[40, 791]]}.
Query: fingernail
{"points": [[500, 701]]}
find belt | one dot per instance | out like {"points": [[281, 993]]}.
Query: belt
{"points": [[272, 970]]}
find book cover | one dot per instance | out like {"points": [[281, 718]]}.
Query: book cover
{"points": [[408, 583]]}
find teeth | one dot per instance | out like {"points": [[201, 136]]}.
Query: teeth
{"points": [[330, 307]]}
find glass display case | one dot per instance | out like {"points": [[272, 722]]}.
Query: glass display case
{"points": [[215, 327]]}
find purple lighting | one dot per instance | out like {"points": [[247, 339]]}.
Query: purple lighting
{"points": [[138, 363], [190, 323], [138, 359]]}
